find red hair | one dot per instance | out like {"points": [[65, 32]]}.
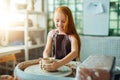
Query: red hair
{"points": [[69, 26]]}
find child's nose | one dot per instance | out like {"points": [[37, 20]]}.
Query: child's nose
{"points": [[60, 23]]}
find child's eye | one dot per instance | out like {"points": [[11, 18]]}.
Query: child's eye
{"points": [[63, 21], [57, 20]]}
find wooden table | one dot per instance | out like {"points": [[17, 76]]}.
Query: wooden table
{"points": [[8, 54]]}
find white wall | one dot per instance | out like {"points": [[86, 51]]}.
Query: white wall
{"points": [[100, 45]]}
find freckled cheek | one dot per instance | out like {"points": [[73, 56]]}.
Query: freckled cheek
{"points": [[59, 24], [56, 25]]}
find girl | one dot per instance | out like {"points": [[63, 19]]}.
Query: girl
{"points": [[63, 41]]}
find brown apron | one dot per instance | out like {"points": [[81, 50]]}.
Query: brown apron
{"points": [[61, 46]]}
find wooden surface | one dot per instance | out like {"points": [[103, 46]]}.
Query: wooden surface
{"points": [[9, 57]]}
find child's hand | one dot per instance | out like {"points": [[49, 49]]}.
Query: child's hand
{"points": [[48, 64], [50, 67]]}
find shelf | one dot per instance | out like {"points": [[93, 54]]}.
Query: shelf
{"points": [[21, 28], [29, 12], [18, 48], [35, 46], [10, 49], [36, 29], [28, 25]]}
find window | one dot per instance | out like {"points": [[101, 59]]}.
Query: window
{"points": [[114, 18], [76, 7]]}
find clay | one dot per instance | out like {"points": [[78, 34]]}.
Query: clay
{"points": [[46, 61]]}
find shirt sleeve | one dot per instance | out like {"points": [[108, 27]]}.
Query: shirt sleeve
{"points": [[51, 33]]}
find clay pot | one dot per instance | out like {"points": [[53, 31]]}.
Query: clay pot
{"points": [[46, 61]]}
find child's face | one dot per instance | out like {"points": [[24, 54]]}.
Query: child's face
{"points": [[59, 19]]}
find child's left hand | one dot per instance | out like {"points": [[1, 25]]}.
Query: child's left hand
{"points": [[51, 67]]}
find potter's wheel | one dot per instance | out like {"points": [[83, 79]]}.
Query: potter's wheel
{"points": [[35, 69]]}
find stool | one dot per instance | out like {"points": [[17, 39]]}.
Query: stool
{"points": [[7, 58]]}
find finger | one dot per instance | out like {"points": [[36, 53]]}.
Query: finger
{"points": [[40, 58], [47, 66], [40, 63]]}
